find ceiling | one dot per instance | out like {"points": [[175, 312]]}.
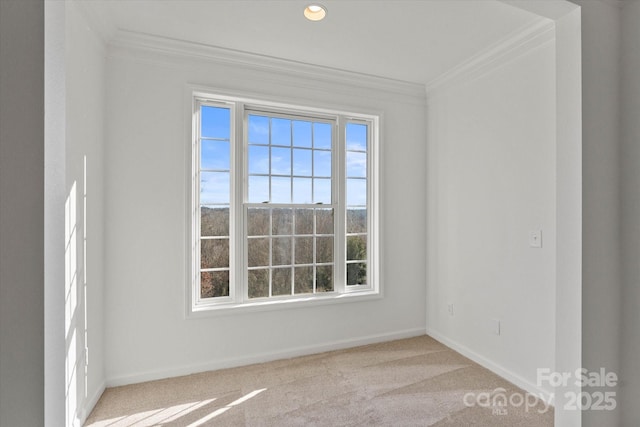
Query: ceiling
{"points": [[409, 40]]}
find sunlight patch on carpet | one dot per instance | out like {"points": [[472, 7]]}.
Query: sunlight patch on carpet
{"points": [[226, 408]]}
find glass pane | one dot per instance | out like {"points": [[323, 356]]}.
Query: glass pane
{"points": [[357, 274], [356, 137], [258, 252], [322, 135], [321, 163], [324, 278], [258, 283], [280, 131], [258, 129], [303, 280], [304, 221], [280, 161], [281, 251], [282, 222], [301, 134], [356, 164], [357, 220], [302, 162], [214, 187], [280, 190], [357, 248], [216, 122], [324, 221], [281, 281], [214, 221], [214, 253], [258, 221], [322, 190], [324, 249], [214, 284], [304, 250], [356, 192], [258, 159], [214, 154], [258, 189], [302, 190]]}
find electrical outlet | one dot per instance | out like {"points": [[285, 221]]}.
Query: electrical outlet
{"points": [[450, 308], [535, 238]]}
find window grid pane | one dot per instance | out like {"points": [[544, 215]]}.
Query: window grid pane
{"points": [[288, 220], [356, 177], [289, 161], [214, 175], [214, 284], [294, 246]]}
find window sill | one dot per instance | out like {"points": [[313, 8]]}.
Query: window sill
{"points": [[270, 305]]}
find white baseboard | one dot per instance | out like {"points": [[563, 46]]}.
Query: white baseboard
{"points": [[260, 358], [524, 384], [88, 405]]}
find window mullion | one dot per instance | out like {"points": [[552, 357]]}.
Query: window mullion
{"points": [[238, 218], [373, 204], [339, 181], [195, 194]]}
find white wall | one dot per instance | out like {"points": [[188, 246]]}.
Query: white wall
{"points": [[54, 213], [84, 310], [601, 294], [147, 335], [21, 213], [630, 224], [492, 180]]}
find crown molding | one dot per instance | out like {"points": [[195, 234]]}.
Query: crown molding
{"points": [[168, 50], [516, 44]]}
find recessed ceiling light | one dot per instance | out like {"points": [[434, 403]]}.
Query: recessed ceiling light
{"points": [[315, 12]]}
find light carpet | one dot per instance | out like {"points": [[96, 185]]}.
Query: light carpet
{"points": [[409, 382]]}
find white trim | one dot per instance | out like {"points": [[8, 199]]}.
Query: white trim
{"points": [[238, 301], [189, 232], [262, 357], [88, 405], [237, 221], [178, 53], [497, 369], [374, 276], [339, 182], [284, 302], [568, 302], [511, 47]]}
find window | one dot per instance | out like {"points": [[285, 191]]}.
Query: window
{"points": [[283, 203]]}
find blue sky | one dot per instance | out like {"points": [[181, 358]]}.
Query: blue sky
{"points": [[356, 137], [293, 148]]}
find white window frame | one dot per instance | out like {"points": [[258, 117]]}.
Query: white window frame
{"points": [[238, 292]]}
